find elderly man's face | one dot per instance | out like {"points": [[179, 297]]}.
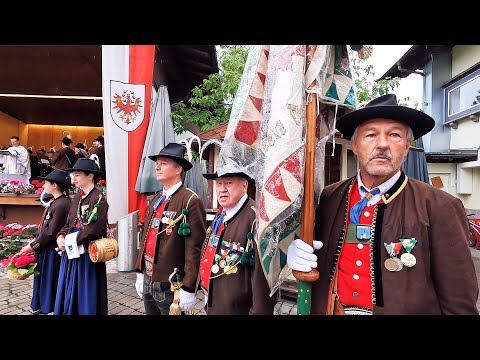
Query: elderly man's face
{"points": [[230, 190], [381, 146]]}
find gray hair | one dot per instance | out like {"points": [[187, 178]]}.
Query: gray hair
{"points": [[410, 136]]}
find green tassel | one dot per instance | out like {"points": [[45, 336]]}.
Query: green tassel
{"points": [[185, 211], [180, 231], [186, 231], [186, 226], [252, 261], [250, 235]]}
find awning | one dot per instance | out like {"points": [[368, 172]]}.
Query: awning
{"points": [[67, 71]]}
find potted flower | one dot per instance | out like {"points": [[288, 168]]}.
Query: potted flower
{"points": [[102, 186], [16, 187], [20, 267], [14, 236]]}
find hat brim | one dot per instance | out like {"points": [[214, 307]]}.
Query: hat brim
{"points": [[42, 178], [185, 164], [419, 122], [213, 176]]}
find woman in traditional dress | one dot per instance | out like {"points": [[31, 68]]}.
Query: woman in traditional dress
{"points": [[57, 184], [82, 284]]}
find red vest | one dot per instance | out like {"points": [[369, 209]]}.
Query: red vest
{"points": [[209, 255], [354, 280]]}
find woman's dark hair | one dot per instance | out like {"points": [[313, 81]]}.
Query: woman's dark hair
{"points": [[96, 176]]}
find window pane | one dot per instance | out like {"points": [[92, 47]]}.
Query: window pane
{"points": [[464, 97]]}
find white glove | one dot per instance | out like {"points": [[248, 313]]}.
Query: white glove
{"points": [[187, 299], [300, 255], [139, 285]]}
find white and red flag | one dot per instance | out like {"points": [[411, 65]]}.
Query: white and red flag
{"points": [[127, 73]]}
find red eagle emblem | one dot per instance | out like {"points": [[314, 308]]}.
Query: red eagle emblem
{"points": [[127, 106]]}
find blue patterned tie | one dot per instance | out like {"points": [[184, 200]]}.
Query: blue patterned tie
{"points": [[356, 210], [217, 222]]}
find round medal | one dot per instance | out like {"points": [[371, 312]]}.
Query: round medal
{"points": [[391, 264], [234, 269], [215, 268], [408, 259], [226, 269], [222, 263], [399, 264]]}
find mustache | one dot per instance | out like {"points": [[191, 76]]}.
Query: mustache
{"points": [[381, 153]]}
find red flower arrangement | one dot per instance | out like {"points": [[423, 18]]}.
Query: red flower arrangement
{"points": [[20, 267]]}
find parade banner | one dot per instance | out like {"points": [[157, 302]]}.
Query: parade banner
{"points": [[127, 73]]}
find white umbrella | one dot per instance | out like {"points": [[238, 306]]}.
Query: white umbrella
{"points": [[160, 132]]}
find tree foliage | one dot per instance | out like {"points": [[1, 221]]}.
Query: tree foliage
{"points": [[211, 102], [368, 89]]}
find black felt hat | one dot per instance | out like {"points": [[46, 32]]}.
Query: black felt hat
{"points": [[60, 177], [85, 164], [174, 151], [386, 107], [66, 140], [80, 146]]}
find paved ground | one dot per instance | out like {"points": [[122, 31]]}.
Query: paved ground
{"points": [[15, 295]]}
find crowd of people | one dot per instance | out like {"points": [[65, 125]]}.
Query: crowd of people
{"points": [[385, 244], [24, 161]]}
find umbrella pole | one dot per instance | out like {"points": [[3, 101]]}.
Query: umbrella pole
{"points": [[305, 279]]}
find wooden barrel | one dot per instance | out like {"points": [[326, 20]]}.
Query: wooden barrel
{"points": [[103, 249]]}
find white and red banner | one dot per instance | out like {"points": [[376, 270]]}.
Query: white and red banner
{"points": [[127, 73]]}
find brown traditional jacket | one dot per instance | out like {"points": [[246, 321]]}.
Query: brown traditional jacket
{"points": [[100, 152], [443, 280], [174, 250], [95, 229], [54, 219], [63, 159], [245, 292]]}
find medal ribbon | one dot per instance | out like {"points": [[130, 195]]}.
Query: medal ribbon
{"points": [[393, 249], [408, 244]]}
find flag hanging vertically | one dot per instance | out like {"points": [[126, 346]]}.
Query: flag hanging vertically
{"points": [[127, 73]]}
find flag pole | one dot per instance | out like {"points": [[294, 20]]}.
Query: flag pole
{"points": [[305, 279]]}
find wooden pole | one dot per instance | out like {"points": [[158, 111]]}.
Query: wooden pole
{"points": [[305, 279]]}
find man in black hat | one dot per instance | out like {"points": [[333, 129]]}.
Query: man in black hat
{"points": [[65, 157], [172, 237], [391, 244], [99, 151], [87, 221], [231, 275], [80, 151], [44, 243]]}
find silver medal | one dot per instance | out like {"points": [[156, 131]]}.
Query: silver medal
{"points": [[408, 259]]}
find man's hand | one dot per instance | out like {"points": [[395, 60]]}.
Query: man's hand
{"points": [[300, 255], [187, 299], [139, 285]]}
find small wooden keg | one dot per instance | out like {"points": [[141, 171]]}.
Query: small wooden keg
{"points": [[103, 249]]}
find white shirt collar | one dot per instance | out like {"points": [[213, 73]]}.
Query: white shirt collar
{"points": [[383, 187], [169, 192], [229, 213]]}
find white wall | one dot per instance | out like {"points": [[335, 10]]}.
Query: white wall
{"points": [[464, 57], [448, 174], [466, 136]]}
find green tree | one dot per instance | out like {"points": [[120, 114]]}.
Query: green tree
{"points": [[368, 89], [211, 102]]}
